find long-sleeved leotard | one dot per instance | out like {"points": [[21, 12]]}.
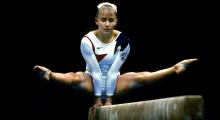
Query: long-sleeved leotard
{"points": [[103, 61]]}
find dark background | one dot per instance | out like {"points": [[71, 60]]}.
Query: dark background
{"points": [[161, 34]]}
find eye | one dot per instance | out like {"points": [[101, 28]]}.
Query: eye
{"points": [[103, 19], [111, 20]]}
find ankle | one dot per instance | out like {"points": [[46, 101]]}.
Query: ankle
{"points": [[179, 68]]}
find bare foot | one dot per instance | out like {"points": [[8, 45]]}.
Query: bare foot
{"points": [[43, 72], [181, 66]]}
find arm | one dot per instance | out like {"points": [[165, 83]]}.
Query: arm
{"points": [[89, 57], [112, 75]]}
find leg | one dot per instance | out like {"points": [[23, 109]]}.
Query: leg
{"points": [[132, 80], [78, 79]]}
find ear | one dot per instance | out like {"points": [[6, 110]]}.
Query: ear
{"points": [[96, 20], [116, 21]]}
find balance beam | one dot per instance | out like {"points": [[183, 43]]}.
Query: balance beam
{"points": [[189, 107]]}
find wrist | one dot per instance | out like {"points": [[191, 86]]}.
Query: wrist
{"points": [[108, 101], [98, 99]]}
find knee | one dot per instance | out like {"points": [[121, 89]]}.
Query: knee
{"points": [[143, 75], [74, 78]]}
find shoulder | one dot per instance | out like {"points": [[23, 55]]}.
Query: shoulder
{"points": [[89, 34], [120, 35], [86, 40], [116, 32], [88, 37], [122, 40]]}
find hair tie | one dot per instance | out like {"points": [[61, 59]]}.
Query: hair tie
{"points": [[107, 3]]}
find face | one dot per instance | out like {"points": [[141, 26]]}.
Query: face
{"points": [[106, 22]]}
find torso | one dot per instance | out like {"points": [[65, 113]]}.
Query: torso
{"points": [[109, 38], [105, 53], [107, 49]]}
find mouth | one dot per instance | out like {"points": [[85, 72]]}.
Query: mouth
{"points": [[106, 30]]}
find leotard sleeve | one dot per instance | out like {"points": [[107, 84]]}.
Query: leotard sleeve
{"points": [[121, 55], [89, 56]]}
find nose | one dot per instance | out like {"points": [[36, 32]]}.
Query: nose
{"points": [[107, 24]]}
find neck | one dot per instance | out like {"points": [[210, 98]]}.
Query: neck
{"points": [[105, 38]]}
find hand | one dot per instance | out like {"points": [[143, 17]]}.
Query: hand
{"points": [[93, 109], [108, 101]]}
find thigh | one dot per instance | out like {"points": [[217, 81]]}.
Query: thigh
{"points": [[127, 82], [86, 84]]}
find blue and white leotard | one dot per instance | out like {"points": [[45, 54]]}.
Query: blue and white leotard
{"points": [[103, 61]]}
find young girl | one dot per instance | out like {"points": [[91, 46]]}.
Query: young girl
{"points": [[105, 50]]}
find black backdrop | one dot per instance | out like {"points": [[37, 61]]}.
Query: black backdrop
{"points": [[161, 34]]}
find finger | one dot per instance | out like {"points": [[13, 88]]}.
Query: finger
{"points": [[93, 112]]}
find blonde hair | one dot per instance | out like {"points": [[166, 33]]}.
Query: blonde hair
{"points": [[106, 6]]}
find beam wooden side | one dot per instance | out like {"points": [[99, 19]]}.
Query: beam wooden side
{"points": [[189, 107]]}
